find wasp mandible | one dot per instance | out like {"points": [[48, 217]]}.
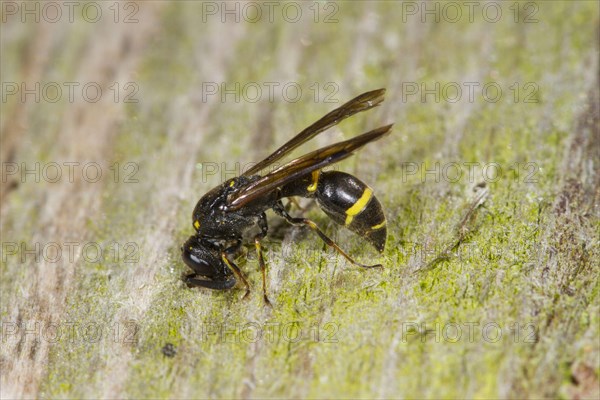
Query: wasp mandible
{"points": [[224, 214]]}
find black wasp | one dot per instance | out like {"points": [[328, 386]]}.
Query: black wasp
{"points": [[224, 214]]}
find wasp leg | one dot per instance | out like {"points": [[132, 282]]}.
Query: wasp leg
{"points": [[191, 281], [262, 223], [280, 210], [231, 265], [235, 250], [293, 201]]}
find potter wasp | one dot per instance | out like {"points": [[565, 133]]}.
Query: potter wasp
{"points": [[232, 209]]}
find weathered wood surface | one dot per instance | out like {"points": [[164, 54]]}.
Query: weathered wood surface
{"points": [[490, 286]]}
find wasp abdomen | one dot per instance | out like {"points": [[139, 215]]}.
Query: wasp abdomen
{"points": [[350, 202]]}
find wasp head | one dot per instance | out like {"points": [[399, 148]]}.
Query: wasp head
{"points": [[205, 259]]}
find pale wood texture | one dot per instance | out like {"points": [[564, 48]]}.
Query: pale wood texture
{"points": [[518, 252]]}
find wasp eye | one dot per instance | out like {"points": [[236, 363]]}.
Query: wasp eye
{"points": [[192, 260], [200, 258]]}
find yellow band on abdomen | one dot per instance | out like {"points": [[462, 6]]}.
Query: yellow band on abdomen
{"points": [[378, 226], [360, 205]]}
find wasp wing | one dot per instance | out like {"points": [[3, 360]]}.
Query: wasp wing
{"points": [[360, 103], [302, 166]]}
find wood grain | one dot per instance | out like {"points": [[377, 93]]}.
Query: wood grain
{"points": [[522, 259]]}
